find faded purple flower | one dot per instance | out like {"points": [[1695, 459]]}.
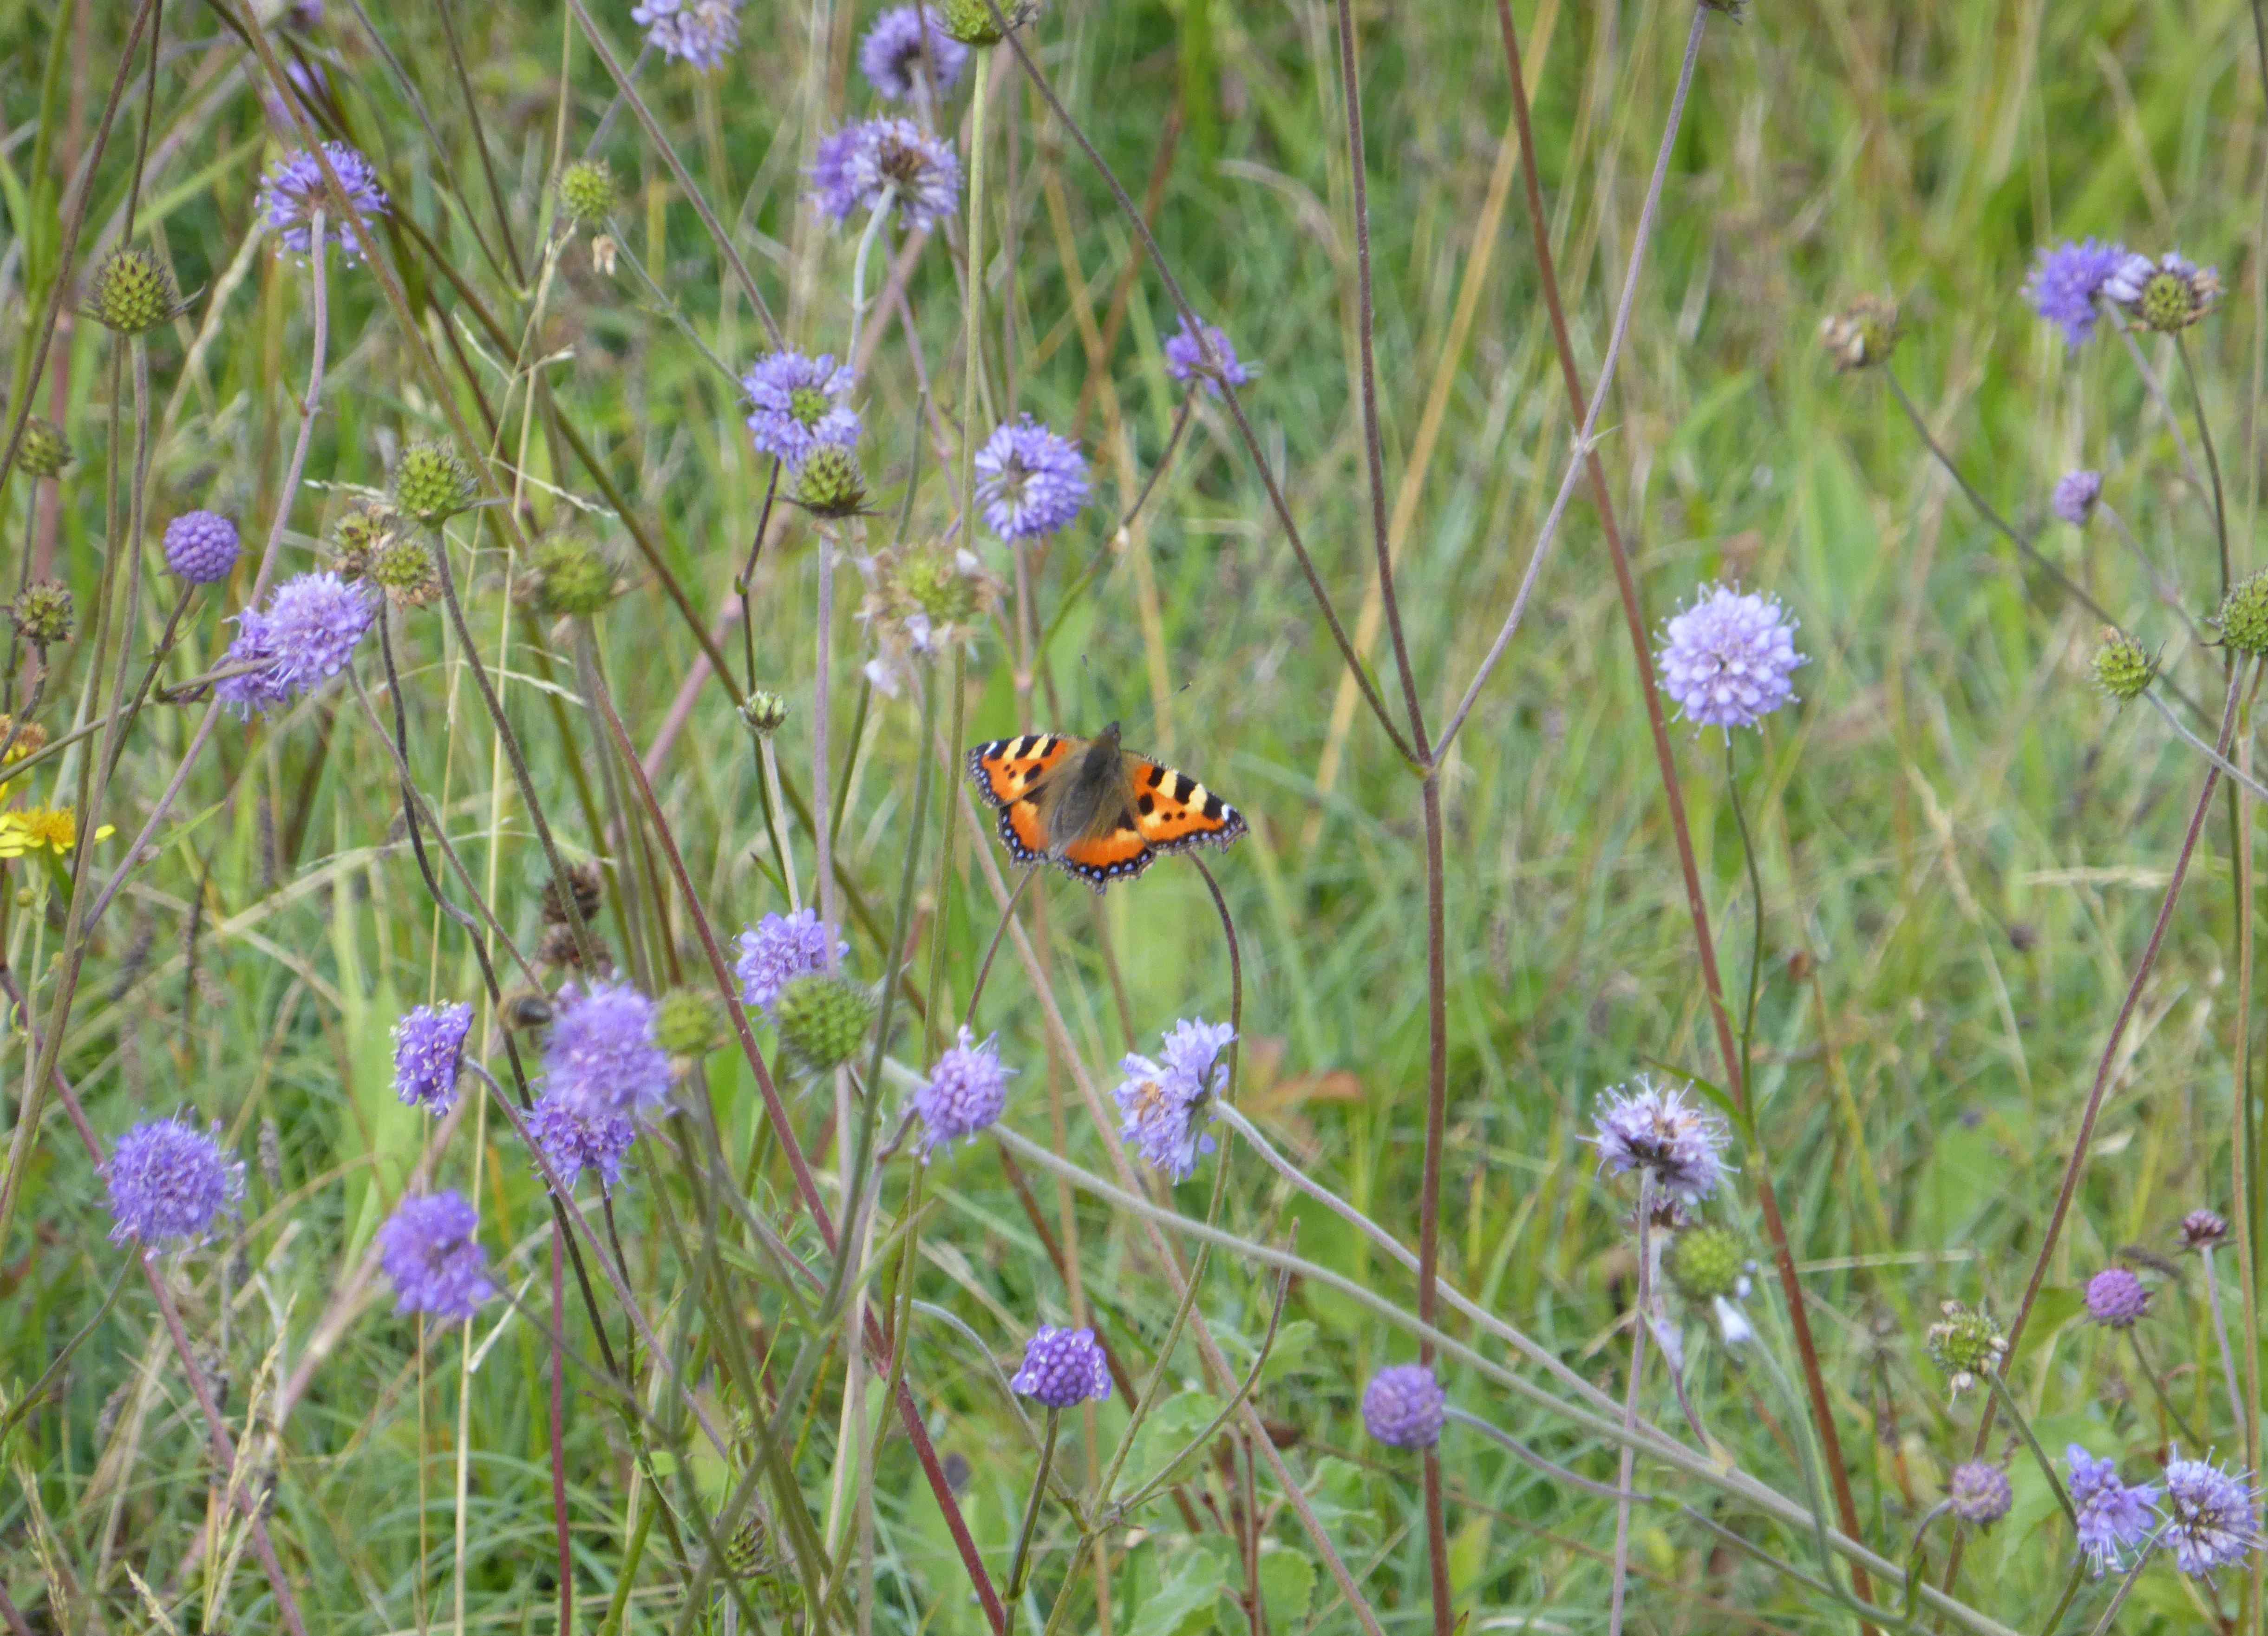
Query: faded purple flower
{"points": [[1168, 1102], [1185, 358], [429, 1053], [1726, 658], [891, 56], [2209, 1517], [604, 1060], [798, 404], [169, 1182], [1645, 1126], [1029, 481], [2168, 294], [779, 949], [2203, 1229], [294, 191], [964, 1093], [306, 636], [428, 1250], [1978, 1492], [2116, 1299], [2074, 496], [862, 166], [1404, 1406], [574, 1142], [1063, 1367], [2113, 1517], [699, 32], [2064, 281], [201, 547]]}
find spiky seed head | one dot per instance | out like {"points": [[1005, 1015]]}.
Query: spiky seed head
{"points": [[970, 21], [433, 484], [578, 898], [132, 292], [572, 578], [403, 569], [587, 189], [1706, 1265], [2123, 669], [366, 526], [689, 1023], [765, 712], [1967, 1344], [823, 1020], [2174, 298], [2243, 615], [830, 483], [1862, 333], [45, 452], [42, 612]]}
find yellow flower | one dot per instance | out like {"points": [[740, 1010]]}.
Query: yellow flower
{"points": [[54, 827]]}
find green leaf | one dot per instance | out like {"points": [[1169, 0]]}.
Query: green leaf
{"points": [[2055, 1306], [1197, 1582], [1287, 1584], [1167, 1431], [1294, 1353], [1468, 1555]]}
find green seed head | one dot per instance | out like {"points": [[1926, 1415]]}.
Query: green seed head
{"points": [[403, 569], [2243, 615], [44, 452], [970, 21], [823, 1020], [1706, 1265], [2124, 670], [132, 292], [688, 1023], [1967, 1344], [572, 577], [587, 189], [1862, 333], [42, 612], [830, 483], [432, 484], [765, 712]]}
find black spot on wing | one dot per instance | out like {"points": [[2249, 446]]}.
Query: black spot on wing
{"points": [[1148, 804]]}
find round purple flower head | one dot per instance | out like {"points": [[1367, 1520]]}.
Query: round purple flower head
{"points": [[892, 57], [779, 949], [1727, 657], [2116, 1299], [2064, 281], [1185, 358], [429, 1053], [573, 1142], [2113, 1518], [965, 1092], [2074, 496], [1029, 481], [2209, 1517], [861, 165], [1646, 1127], [699, 32], [1168, 1102], [201, 547], [306, 636], [2203, 1229], [1404, 1406], [428, 1250], [603, 1059], [294, 191], [1063, 1367], [1978, 1492], [798, 404], [169, 1182]]}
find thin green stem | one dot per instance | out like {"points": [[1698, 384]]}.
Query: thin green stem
{"points": [[2007, 1400], [2211, 458], [1012, 1592], [2157, 1388], [1756, 908]]}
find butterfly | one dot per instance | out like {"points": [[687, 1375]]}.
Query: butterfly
{"points": [[1093, 809]]}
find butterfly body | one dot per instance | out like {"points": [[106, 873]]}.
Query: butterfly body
{"points": [[1094, 809]]}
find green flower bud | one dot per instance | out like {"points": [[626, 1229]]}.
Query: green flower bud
{"points": [[2243, 615], [587, 190], [132, 292], [830, 483], [403, 569], [1967, 1344], [432, 484], [688, 1022], [2122, 668], [765, 712], [1706, 1265], [44, 452], [571, 578], [42, 612], [970, 21], [823, 1020]]}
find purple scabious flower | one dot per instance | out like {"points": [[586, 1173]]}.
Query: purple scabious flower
{"points": [[201, 547], [428, 1250], [1185, 358], [798, 403], [2203, 1229], [604, 1059], [2209, 1517], [2074, 496], [1029, 481], [861, 165], [2064, 281], [891, 56], [2116, 1299], [429, 1053], [169, 1182], [294, 191], [1979, 1493], [964, 1093], [2168, 294], [1063, 1367], [1168, 1102], [780, 949], [1404, 1406], [572, 1142], [306, 636], [699, 32], [1646, 1127], [2113, 1517], [1726, 658]]}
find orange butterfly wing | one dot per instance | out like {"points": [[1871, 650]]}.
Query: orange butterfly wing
{"points": [[1118, 854], [1175, 811], [1008, 770]]}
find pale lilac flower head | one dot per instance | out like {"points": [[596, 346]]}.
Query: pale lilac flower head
{"points": [[2116, 1299], [169, 1182], [573, 1142], [307, 636], [2064, 281], [429, 1053], [780, 949], [1185, 358], [1979, 1493], [2074, 496], [860, 165], [294, 191], [1404, 1406], [797, 405], [603, 1059], [964, 1093], [2209, 1517], [1167, 1102], [201, 547], [1643, 1126], [429, 1249], [1029, 481], [1726, 658], [2114, 1517], [891, 56], [699, 32], [2168, 294], [1063, 1367]]}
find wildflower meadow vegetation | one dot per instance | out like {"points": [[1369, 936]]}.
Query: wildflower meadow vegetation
{"points": [[1135, 818]]}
